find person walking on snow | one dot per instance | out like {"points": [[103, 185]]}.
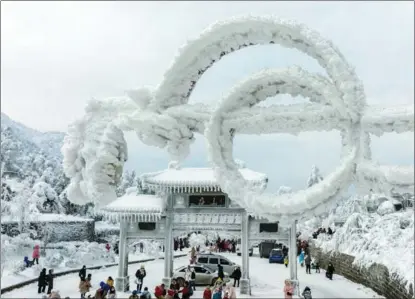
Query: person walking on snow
{"points": [[108, 247], [36, 254], [82, 272], [192, 255], [301, 258], [307, 264], [330, 271], [307, 293], [236, 275], [192, 281], [317, 265], [221, 275], [84, 287], [288, 290], [187, 274], [140, 274], [50, 281], [286, 261], [42, 281]]}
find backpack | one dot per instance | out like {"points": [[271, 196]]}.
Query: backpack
{"points": [[193, 275], [190, 291]]}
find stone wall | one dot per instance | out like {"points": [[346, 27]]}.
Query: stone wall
{"points": [[376, 277]]}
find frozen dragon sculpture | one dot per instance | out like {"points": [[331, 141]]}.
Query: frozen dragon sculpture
{"points": [[95, 151]]}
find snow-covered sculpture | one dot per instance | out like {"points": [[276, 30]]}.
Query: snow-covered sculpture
{"points": [[161, 117]]}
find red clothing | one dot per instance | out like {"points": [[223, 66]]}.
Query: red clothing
{"points": [[108, 247], [287, 291], [185, 291], [207, 294], [36, 252], [158, 292], [171, 292]]}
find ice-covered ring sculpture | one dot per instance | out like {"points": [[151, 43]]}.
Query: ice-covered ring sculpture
{"points": [[95, 150]]}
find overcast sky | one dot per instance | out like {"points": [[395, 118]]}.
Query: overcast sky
{"points": [[55, 56]]}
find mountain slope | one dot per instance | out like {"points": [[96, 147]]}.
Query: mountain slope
{"points": [[48, 142]]}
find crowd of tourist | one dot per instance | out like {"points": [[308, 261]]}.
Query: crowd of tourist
{"points": [[222, 245], [322, 230], [176, 290]]}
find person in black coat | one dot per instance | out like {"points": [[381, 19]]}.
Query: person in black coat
{"points": [[42, 281], [140, 274], [330, 271], [50, 281], [236, 275], [221, 275], [82, 272]]}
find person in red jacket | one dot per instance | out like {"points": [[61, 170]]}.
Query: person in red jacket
{"points": [[159, 292], [36, 254], [207, 293], [185, 291]]}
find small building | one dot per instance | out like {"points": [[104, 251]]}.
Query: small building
{"points": [[187, 199]]}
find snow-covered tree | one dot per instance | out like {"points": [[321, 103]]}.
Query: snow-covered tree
{"points": [[315, 176], [128, 180], [9, 152], [46, 199], [143, 189], [21, 209]]}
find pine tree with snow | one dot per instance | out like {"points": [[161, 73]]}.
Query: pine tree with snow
{"points": [[128, 180], [315, 176], [46, 199]]}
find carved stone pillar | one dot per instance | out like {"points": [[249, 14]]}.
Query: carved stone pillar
{"points": [[245, 287], [122, 282], [293, 258], [168, 242]]}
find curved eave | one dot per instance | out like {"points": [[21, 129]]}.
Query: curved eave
{"points": [[194, 187], [132, 215]]}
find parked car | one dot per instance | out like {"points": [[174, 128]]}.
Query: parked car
{"points": [[204, 275], [276, 256], [239, 253], [265, 248], [210, 260]]}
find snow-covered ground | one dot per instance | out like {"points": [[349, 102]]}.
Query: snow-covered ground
{"points": [[9, 278], [266, 281]]}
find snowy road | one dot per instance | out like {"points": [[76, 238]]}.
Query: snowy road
{"points": [[266, 281]]}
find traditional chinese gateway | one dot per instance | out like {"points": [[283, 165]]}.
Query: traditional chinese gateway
{"points": [[187, 199]]}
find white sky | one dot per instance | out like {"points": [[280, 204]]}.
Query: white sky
{"points": [[55, 56]]}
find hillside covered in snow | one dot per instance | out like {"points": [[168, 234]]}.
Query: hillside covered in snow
{"points": [[31, 168], [33, 181], [374, 228]]}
